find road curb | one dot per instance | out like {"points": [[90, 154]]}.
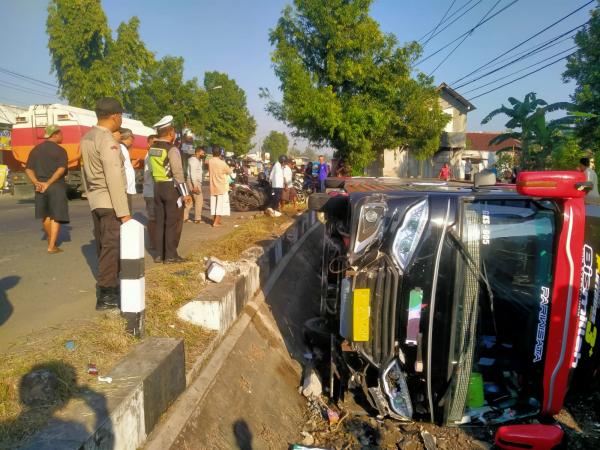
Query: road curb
{"points": [[147, 381], [165, 434]]}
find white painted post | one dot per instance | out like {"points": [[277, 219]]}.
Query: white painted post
{"points": [[133, 282]]}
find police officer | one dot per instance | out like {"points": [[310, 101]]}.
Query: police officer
{"points": [[105, 182], [170, 191]]}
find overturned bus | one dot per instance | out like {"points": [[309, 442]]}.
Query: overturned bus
{"points": [[461, 304]]}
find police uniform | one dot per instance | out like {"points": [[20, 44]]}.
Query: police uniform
{"points": [[169, 186], [105, 182]]}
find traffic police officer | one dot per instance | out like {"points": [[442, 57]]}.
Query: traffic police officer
{"points": [[104, 177], [170, 191]]}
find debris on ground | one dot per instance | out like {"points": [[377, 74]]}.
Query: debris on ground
{"points": [[92, 369], [70, 345], [215, 269], [308, 438], [105, 379], [311, 387], [428, 440]]}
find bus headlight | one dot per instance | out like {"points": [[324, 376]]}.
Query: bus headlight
{"points": [[408, 235], [370, 225]]}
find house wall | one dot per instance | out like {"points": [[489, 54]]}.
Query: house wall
{"points": [[459, 112]]}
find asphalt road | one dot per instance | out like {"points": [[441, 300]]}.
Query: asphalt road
{"points": [[39, 290]]}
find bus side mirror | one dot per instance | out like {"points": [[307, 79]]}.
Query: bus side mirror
{"points": [[553, 184]]}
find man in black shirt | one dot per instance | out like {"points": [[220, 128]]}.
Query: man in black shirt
{"points": [[46, 168]]}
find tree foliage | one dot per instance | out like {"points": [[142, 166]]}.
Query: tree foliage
{"points": [[229, 124], [347, 84], [88, 62], [276, 144], [527, 123], [163, 90], [584, 67]]}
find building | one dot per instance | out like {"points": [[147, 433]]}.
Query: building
{"points": [[399, 162]]}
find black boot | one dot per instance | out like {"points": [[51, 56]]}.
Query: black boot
{"points": [[107, 298]]}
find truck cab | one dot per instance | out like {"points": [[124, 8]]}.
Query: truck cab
{"points": [[461, 305]]}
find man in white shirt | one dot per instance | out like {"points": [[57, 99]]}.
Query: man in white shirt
{"points": [[584, 166], [277, 185], [126, 142], [148, 193], [194, 180]]}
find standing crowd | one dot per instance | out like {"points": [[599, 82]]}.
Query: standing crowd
{"points": [[172, 187]]}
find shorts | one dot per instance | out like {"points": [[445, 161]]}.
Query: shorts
{"points": [[150, 208], [53, 203]]}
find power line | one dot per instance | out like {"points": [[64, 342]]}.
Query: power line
{"points": [[526, 55], [467, 32], [465, 38], [454, 21], [520, 70], [440, 22], [25, 90], [19, 75], [548, 44], [523, 76], [525, 41]]}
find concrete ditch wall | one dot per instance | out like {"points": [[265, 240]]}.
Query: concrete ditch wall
{"points": [[148, 380]]}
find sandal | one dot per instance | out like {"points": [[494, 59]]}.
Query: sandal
{"points": [[55, 250], [197, 221], [187, 221]]}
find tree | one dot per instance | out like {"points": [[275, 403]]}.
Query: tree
{"points": [[584, 67], [537, 137], [566, 153], [347, 84], [228, 121], [88, 63], [162, 90], [276, 144]]}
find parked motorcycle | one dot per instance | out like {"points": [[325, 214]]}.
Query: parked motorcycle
{"points": [[303, 188]]}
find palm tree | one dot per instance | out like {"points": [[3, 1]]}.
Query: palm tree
{"points": [[536, 136]]}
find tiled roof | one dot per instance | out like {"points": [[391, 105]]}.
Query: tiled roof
{"points": [[481, 141]]}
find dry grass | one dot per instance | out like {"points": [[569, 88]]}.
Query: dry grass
{"points": [[105, 341], [102, 342]]}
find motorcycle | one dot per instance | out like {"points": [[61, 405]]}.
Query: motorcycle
{"points": [[250, 196], [303, 188]]}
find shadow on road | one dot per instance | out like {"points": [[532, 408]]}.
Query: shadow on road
{"points": [[43, 391], [6, 308], [243, 435], [90, 252]]}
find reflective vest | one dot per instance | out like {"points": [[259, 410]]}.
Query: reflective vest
{"points": [[159, 162]]}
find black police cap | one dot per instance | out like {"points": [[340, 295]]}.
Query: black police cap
{"points": [[107, 106]]}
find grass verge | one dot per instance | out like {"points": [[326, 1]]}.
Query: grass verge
{"points": [[103, 340]]}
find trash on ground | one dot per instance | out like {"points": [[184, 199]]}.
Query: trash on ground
{"points": [[105, 379], [70, 345], [308, 438], [311, 387], [235, 226], [428, 440], [304, 447], [215, 269], [92, 369], [333, 417]]}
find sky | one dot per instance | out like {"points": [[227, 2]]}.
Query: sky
{"points": [[231, 36]]}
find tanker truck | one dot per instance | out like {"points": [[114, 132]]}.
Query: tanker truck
{"points": [[28, 131]]}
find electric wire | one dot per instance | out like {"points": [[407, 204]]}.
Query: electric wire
{"points": [[465, 38], [440, 22], [467, 32], [455, 20], [26, 77], [25, 90], [519, 71], [538, 49], [523, 76], [525, 41], [548, 44]]}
